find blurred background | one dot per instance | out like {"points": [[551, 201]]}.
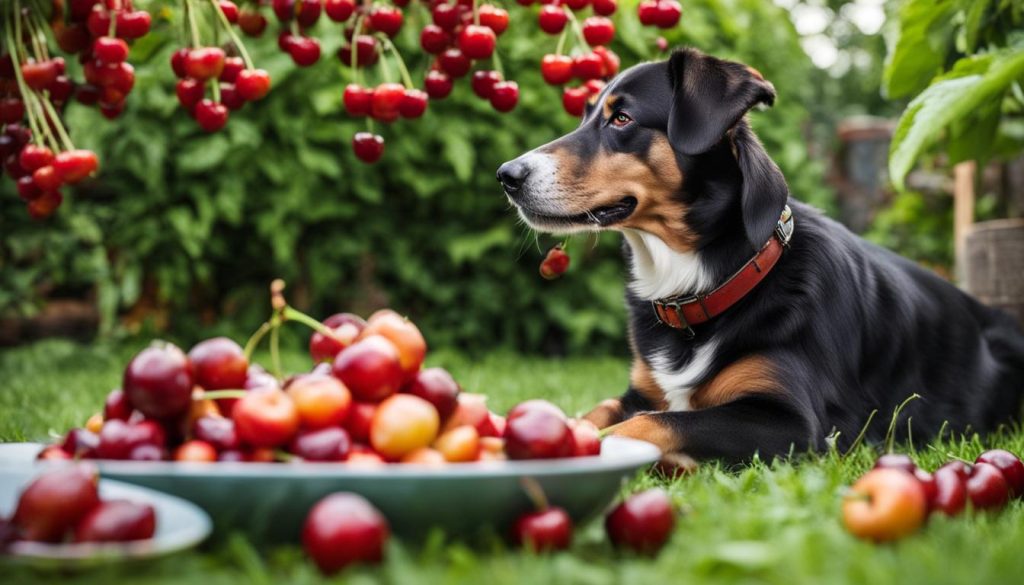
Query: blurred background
{"points": [[182, 231]]}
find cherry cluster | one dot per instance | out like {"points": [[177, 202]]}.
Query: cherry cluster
{"points": [[230, 81], [34, 145], [589, 61], [659, 13]]}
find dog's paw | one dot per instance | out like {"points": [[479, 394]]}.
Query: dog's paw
{"points": [[673, 465]]}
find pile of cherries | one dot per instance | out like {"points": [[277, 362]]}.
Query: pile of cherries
{"points": [[367, 401], [344, 528], [211, 84], [64, 505], [894, 499]]}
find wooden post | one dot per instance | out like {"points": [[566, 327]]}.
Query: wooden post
{"points": [[963, 213], [994, 264]]}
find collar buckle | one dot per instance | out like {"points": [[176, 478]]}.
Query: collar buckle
{"points": [[676, 306]]}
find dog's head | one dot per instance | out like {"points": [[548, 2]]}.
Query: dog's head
{"points": [[664, 149]]}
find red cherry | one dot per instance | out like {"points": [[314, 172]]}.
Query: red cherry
{"points": [[133, 25], [493, 18], [345, 327], [304, 51], [505, 96], [230, 10], [413, 104], [950, 490], [308, 12], [211, 115], [1010, 465], [252, 84], [555, 263], [366, 52], [78, 10], [39, 74], [43, 206], [587, 66], [454, 63], [204, 63], [190, 92], [387, 97], [477, 42], [576, 4], [326, 444], [98, 21], [609, 61], [232, 67], [594, 86], [446, 16], [178, 62], [438, 84], [110, 50], [647, 11], [158, 382], [284, 10], [116, 406], [669, 12], [12, 110], [386, 19], [547, 530], [368, 147], [339, 10], [33, 157], [252, 23], [643, 522], [357, 99], [556, 69], [434, 39], [46, 179], [27, 188], [343, 529], [483, 83], [552, 19], [987, 487], [61, 89], [604, 7], [598, 30], [574, 100], [218, 364]]}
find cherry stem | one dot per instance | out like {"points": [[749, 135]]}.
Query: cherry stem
{"points": [[476, 14], [402, 70], [275, 350], [68, 145], [256, 338], [192, 24], [602, 433], [220, 395], [578, 30], [235, 39], [37, 118], [292, 314], [353, 49], [535, 493], [561, 41]]}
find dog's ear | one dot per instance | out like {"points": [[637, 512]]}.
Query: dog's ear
{"points": [[710, 98]]}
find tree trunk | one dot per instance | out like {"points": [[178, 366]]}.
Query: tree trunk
{"points": [[995, 265]]}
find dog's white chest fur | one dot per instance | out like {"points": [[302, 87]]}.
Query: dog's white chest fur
{"points": [[678, 384]]}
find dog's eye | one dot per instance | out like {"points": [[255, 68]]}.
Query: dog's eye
{"points": [[621, 119]]}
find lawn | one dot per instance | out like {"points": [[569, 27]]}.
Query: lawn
{"points": [[764, 523]]}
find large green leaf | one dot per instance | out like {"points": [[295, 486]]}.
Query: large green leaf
{"points": [[919, 53], [973, 82]]}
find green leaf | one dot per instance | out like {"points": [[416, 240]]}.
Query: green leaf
{"points": [[204, 155], [920, 50], [459, 152], [973, 82]]}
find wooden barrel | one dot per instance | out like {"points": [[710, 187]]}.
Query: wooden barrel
{"points": [[995, 264]]}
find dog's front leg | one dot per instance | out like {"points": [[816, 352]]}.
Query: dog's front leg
{"points": [[734, 431], [615, 410]]}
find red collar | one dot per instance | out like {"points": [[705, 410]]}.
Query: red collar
{"points": [[683, 312]]}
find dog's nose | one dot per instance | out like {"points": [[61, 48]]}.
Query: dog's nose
{"points": [[512, 174]]}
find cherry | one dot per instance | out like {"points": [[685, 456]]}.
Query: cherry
{"points": [[459, 444], [304, 51], [1010, 466], [265, 419], [477, 42], [413, 104], [345, 326], [117, 521], [178, 62], [80, 443], [360, 418], [446, 16], [252, 23], [454, 62], [98, 21], [78, 10], [190, 92], [609, 60], [370, 368], [587, 66], [483, 83], [555, 263], [13, 167], [343, 529], [120, 439], [158, 381], [339, 10], [204, 63], [61, 89], [387, 97], [195, 451], [598, 30], [643, 522], [885, 504], [232, 67], [556, 69], [366, 52], [402, 424], [252, 84], [438, 84], [537, 430], [218, 363], [647, 11], [542, 531], [586, 440], [33, 157], [230, 10], [46, 179], [669, 12], [134, 24], [494, 18], [552, 19], [326, 444], [987, 487], [308, 12], [368, 147], [357, 103], [896, 461], [55, 501], [27, 188], [929, 486], [604, 7], [436, 386], [433, 39], [505, 96], [405, 336], [284, 10], [12, 110], [386, 19], [576, 4], [39, 74], [210, 115], [45, 205], [217, 431], [662, 44], [116, 406], [950, 490], [320, 399], [110, 50]]}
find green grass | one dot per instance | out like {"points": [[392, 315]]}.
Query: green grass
{"points": [[764, 523]]}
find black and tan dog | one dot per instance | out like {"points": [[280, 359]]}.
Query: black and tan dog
{"points": [[757, 325]]}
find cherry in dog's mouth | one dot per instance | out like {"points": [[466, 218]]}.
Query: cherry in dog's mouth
{"points": [[603, 216]]}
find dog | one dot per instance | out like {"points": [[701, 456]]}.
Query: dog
{"points": [[758, 326]]}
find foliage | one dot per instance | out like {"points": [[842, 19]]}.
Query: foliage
{"points": [[763, 523], [180, 224], [964, 61]]}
